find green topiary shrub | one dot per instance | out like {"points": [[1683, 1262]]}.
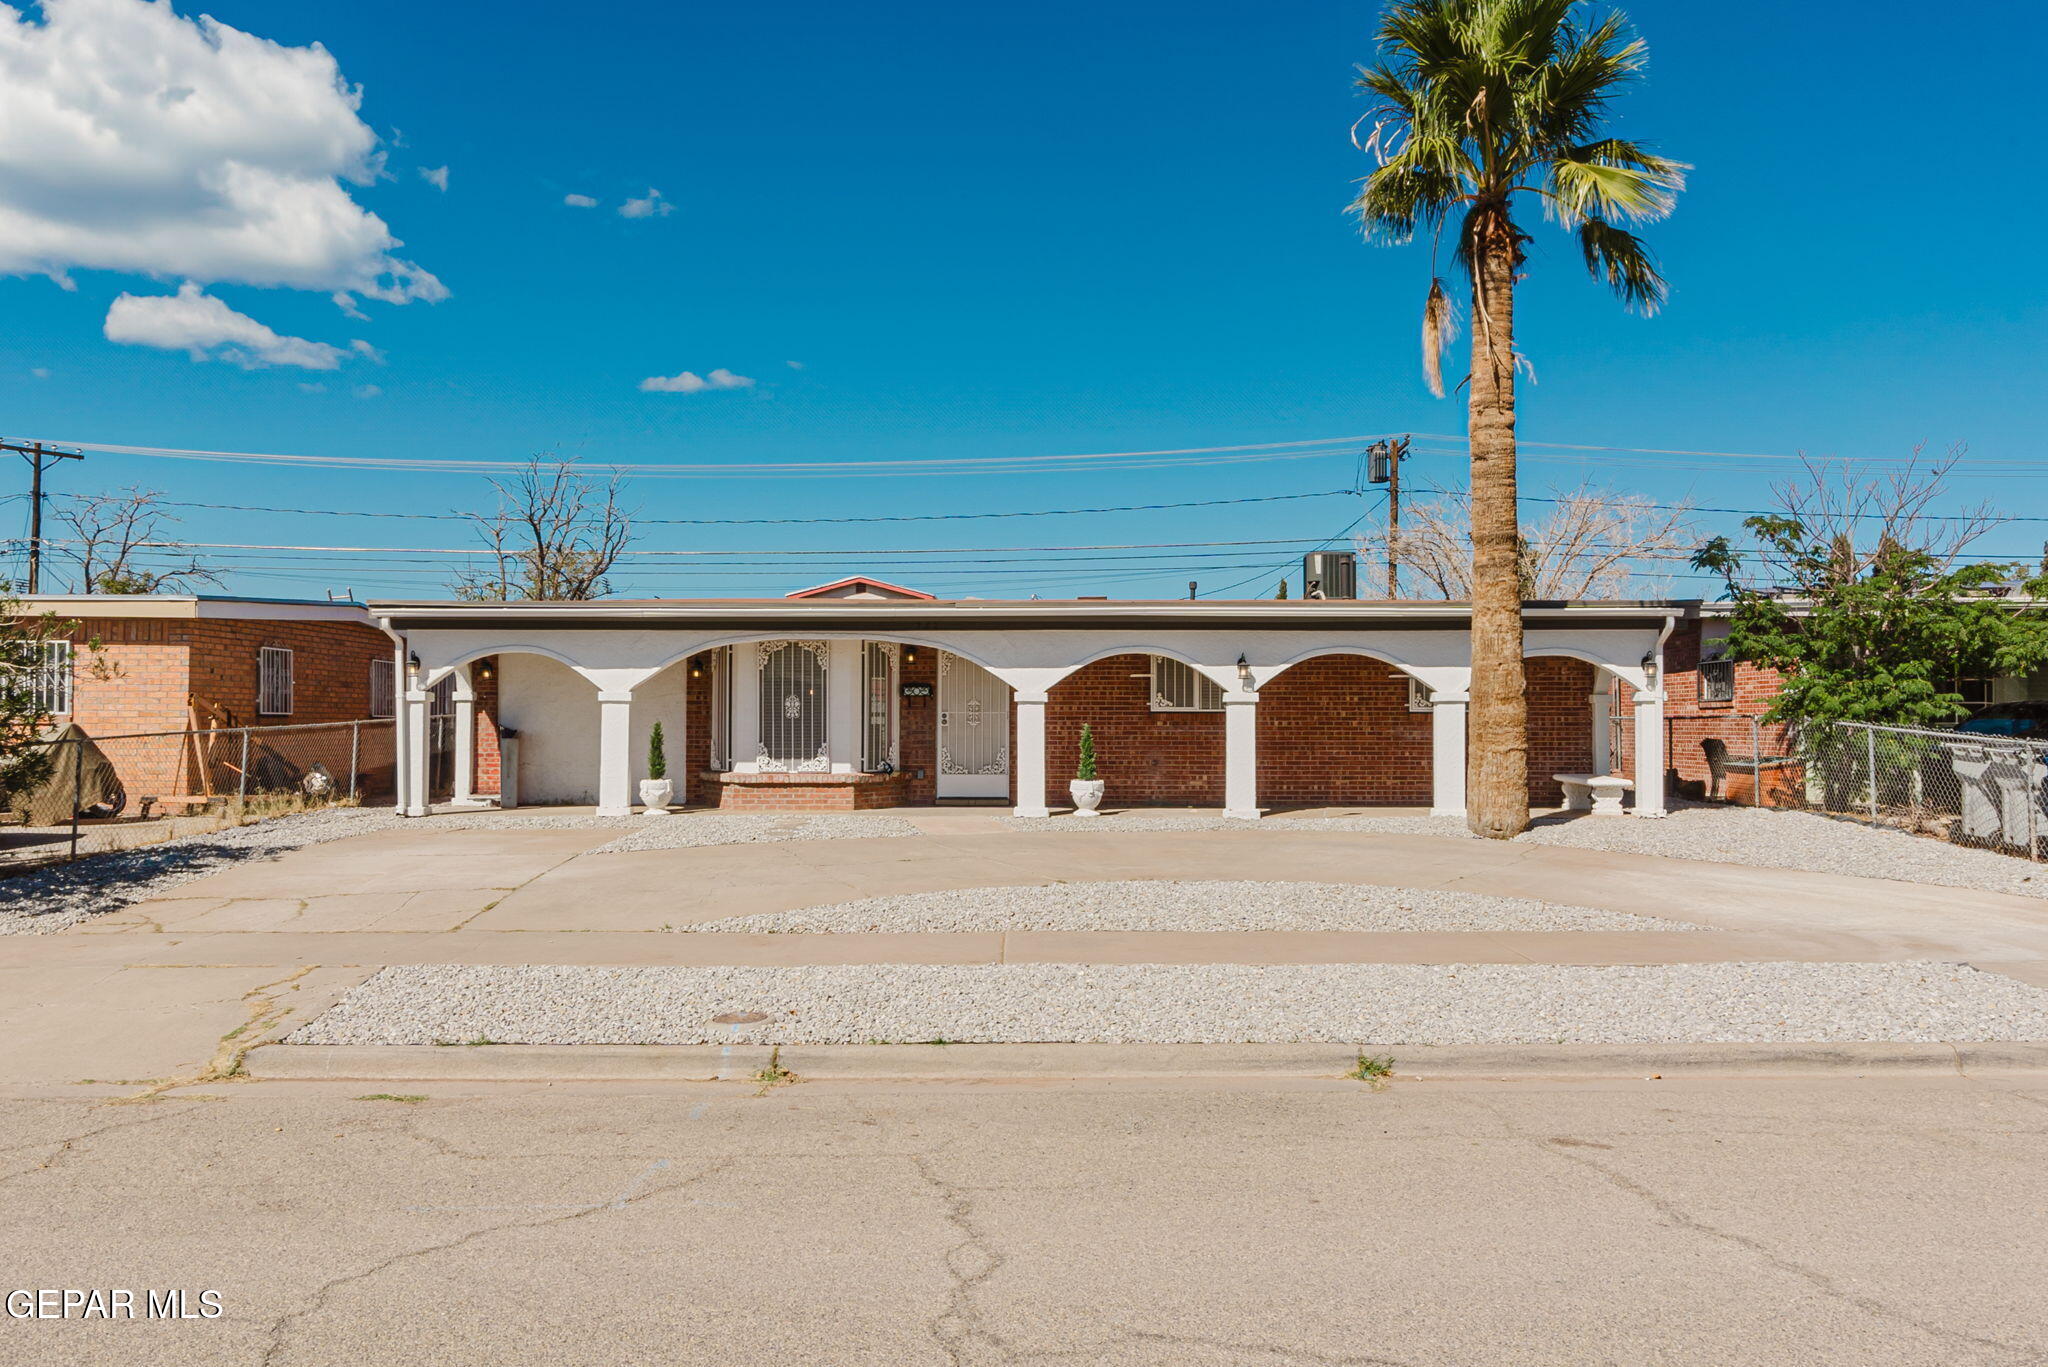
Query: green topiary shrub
{"points": [[657, 758], [1084, 772]]}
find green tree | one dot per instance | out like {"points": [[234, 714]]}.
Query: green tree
{"points": [[657, 753], [1084, 770], [1865, 606], [24, 704], [1482, 103]]}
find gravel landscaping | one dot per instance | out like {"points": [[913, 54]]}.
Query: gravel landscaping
{"points": [[1758, 837], [689, 829], [61, 895], [1377, 1004], [1161, 904]]}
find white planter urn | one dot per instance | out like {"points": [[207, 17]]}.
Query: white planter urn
{"points": [[1087, 795], [656, 794]]}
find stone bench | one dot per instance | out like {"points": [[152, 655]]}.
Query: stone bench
{"points": [[1599, 794]]}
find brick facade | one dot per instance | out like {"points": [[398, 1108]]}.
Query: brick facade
{"points": [[155, 674], [1689, 721], [1337, 730], [1144, 758]]}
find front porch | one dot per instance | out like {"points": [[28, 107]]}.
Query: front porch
{"points": [[842, 706]]}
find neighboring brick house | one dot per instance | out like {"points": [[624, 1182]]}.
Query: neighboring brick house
{"points": [[177, 663]]}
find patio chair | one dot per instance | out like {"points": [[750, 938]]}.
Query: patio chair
{"points": [[1720, 764]]}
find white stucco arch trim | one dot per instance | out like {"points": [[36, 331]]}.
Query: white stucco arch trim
{"points": [[720, 642], [433, 674], [1449, 677], [1632, 675], [1046, 678]]}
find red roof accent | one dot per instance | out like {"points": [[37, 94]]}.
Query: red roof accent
{"points": [[864, 581]]}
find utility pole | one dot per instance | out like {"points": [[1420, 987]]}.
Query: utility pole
{"points": [[36, 453], [1383, 466]]}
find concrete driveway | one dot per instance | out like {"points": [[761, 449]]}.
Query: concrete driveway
{"points": [[147, 993]]}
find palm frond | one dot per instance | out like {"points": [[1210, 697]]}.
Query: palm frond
{"points": [[1620, 259], [1614, 179], [1439, 328]]}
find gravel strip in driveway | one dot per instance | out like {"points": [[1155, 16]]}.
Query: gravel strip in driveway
{"points": [[687, 830], [1163, 904], [1722, 834], [1381, 1004]]}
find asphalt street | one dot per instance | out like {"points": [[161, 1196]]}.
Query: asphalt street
{"points": [[1721, 1223]]}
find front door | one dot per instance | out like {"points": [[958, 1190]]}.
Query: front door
{"points": [[974, 730]]}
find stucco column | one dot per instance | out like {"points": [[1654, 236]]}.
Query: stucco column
{"points": [[1029, 750], [1603, 732], [1649, 774], [1241, 755], [614, 754], [743, 707], [418, 741], [1447, 753], [843, 707]]}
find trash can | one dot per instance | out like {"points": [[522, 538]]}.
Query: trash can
{"points": [[2001, 792], [508, 768]]}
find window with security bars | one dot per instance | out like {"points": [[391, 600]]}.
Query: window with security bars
{"points": [[1178, 687], [1717, 681], [46, 675], [1420, 697], [383, 688], [273, 682], [878, 712], [794, 715]]}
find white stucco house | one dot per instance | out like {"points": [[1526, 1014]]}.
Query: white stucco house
{"points": [[865, 694]]}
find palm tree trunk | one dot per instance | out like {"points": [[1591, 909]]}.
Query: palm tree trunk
{"points": [[1497, 767]]}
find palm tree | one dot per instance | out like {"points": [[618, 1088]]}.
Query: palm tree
{"points": [[1481, 102]]}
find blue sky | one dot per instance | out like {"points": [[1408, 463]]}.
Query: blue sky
{"points": [[1058, 228]]}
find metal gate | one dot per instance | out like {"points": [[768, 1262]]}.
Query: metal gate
{"points": [[974, 730], [441, 740]]}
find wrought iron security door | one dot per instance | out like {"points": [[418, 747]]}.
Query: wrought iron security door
{"points": [[974, 730]]}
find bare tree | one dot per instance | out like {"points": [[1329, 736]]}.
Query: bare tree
{"points": [[1591, 545], [110, 536], [554, 537], [1833, 525]]}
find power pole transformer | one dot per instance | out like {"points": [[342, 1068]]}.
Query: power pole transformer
{"points": [[36, 453]]}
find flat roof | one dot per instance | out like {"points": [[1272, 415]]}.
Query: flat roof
{"points": [[999, 614], [220, 607]]}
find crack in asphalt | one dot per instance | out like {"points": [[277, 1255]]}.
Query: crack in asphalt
{"points": [[635, 1193], [958, 1328], [1820, 1281], [61, 1147]]}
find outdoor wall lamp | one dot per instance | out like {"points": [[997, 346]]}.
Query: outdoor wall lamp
{"points": [[910, 655], [412, 664], [696, 666], [1244, 672], [1650, 668], [486, 671]]}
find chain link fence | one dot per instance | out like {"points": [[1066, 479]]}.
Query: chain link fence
{"points": [[1965, 787], [111, 792]]}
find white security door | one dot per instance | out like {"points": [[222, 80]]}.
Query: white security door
{"points": [[974, 730]]}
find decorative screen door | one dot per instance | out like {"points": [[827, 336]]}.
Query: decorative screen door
{"points": [[974, 730]]}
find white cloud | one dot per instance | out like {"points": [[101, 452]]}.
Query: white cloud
{"points": [[195, 322], [689, 382], [653, 206], [140, 141], [312, 387], [436, 176], [368, 391], [41, 372], [579, 201], [794, 365]]}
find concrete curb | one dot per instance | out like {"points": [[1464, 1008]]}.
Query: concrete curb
{"points": [[1054, 1062]]}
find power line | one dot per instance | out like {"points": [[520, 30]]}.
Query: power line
{"points": [[902, 467], [781, 521]]}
